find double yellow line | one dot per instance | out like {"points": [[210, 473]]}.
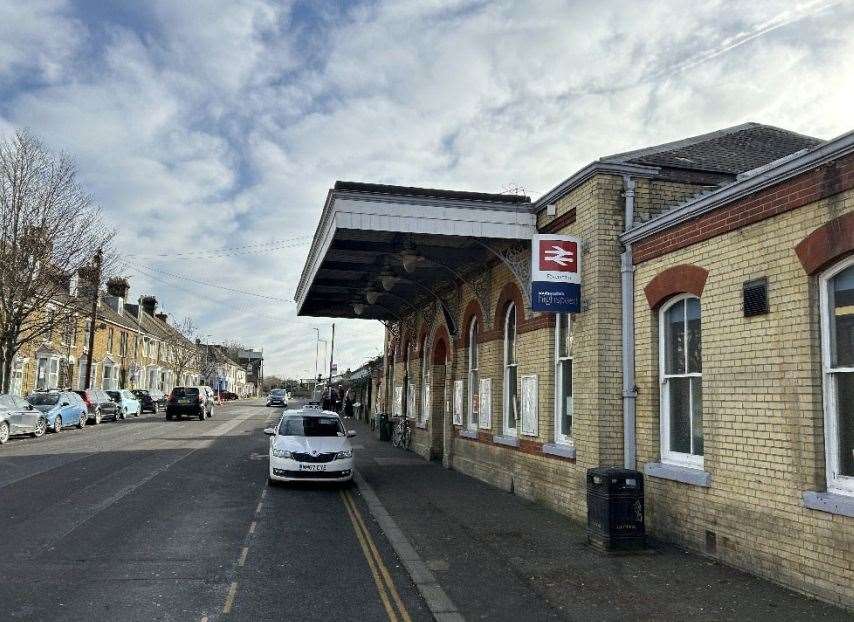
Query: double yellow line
{"points": [[389, 595]]}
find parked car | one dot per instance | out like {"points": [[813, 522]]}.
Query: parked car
{"points": [[278, 397], [152, 400], [190, 402], [62, 409], [310, 445], [99, 405], [18, 416], [128, 404]]}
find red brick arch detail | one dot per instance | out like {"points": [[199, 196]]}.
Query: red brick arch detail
{"points": [[827, 244], [509, 293], [681, 279], [441, 345], [473, 309]]}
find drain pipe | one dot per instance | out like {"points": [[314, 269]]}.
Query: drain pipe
{"points": [[627, 283]]}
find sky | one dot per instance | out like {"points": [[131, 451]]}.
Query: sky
{"points": [[210, 131]]}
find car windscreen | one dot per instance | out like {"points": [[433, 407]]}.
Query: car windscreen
{"points": [[310, 426], [277, 392], [115, 395], [43, 399], [185, 392]]}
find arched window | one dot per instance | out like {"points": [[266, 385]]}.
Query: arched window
{"points": [[837, 337], [408, 406], [563, 379], [681, 382], [473, 406], [511, 391], [424, 413]]}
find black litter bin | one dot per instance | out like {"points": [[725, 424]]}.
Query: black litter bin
{"points": [[615, 509], [383, 427]]}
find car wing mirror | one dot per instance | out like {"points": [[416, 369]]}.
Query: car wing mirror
{"points": [[351, 433], [270, 431], [65, 404]]}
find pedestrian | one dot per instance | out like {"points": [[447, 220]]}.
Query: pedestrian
{"points": [[348, 403]]}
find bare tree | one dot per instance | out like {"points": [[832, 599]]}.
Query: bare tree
{"points": [[183, 353], [50, 228]]}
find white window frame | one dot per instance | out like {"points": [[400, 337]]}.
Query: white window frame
{"points": [[51, 377], [424, 412], [506, 408], [673, 457], [473, 358], [111, 383], [836, 483], [16, 379], [560, 361]]}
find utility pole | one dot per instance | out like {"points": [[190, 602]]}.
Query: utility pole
{"points": [[331, 354], [96, 285]]}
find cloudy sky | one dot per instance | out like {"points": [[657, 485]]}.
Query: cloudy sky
{"points": [[214, 128]]}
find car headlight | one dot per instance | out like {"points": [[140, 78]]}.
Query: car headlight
{"points": [[347, 453], [281, 453]]}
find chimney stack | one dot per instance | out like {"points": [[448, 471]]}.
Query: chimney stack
{"points": [[119, 287], [148, 304], [86, 282], [162, 316]]}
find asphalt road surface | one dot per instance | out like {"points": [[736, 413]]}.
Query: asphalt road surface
{"points": [[153, 520]]}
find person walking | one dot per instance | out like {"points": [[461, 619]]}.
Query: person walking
{"points": [[348, 403]]}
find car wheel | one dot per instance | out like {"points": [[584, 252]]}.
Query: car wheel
{"points": [[124, 413], [97, 416], [41, 428], [82, 422], [4, 432], [138, 412], [57, 424], [202, 416]]}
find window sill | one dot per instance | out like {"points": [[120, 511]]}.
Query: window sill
{"points": [[421, 425], [555, 449], [467, 433], [695, 477], [509, 441], [833, 503]]}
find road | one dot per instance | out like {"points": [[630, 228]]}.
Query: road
{"points": [[153, 520]]}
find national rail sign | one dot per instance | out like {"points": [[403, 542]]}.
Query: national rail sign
{"points": [[556, 273]]}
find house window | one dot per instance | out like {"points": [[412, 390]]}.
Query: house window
{"points": [[18, 376], [681, 383], [123, 344], [110, 338], [405, 397], [511, 389], [47, 374], [563, 379], [473, 406], [425, 383], [837, 302], [110, 380]]}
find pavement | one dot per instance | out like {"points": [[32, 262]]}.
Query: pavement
{"points": [[146, 519], [499, 557]]}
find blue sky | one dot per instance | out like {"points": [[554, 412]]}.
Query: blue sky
{"points": [[207, 125]]}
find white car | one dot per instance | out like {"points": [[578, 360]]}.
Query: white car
{"points": [[310, 445]]}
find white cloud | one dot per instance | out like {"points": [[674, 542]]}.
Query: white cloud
{"points": [[224, 123]]}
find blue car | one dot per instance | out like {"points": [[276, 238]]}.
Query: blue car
{"points": [[62, 409]]}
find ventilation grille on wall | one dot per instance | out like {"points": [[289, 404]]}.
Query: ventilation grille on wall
{"points": [[756, 297]]}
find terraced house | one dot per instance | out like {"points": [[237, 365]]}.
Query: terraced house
{"points": [[709, 352], [134, 346]]}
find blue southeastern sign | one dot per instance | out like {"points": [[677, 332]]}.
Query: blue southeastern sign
{"points": [[556, 274]]}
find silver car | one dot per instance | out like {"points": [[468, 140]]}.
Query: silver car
{"points": [[17, 416]]}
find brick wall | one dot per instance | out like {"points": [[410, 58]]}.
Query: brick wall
{"points": [[762, 400]]}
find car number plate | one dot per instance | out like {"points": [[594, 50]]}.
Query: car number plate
{"points": [[183, 401], [312, 467]]}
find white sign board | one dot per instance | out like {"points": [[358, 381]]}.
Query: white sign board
{"points": [[486, 403], [398, 400], [530, 410], [458, 402]]}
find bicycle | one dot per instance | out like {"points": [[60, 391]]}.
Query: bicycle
{"points": [[401, 435]]}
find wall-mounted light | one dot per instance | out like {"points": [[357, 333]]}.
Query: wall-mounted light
{"points": [[359, 308], [372, 295], [410, 260], [388, 280]]}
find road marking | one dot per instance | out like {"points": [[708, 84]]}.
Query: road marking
{"points": [[242, 559], [372, 553], [258, 507], [374, 572], [229, 598], [252, 526]]}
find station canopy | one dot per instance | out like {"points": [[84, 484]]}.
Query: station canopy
{"points": [[380, 252]]}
